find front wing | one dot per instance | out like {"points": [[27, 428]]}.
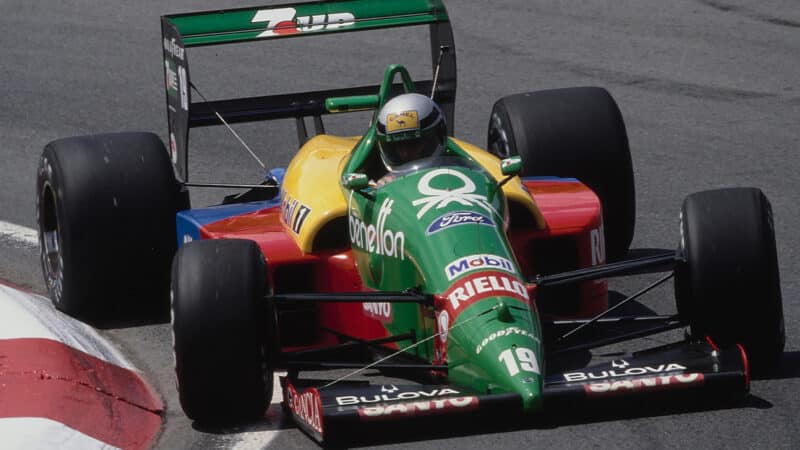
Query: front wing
{"points": [[347, 409]]}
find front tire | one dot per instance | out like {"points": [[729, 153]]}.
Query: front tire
{"points": [[223, 331], [106, 209], [728, 286], [573, 133]]}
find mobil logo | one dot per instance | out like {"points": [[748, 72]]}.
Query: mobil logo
{"points": [[478, 262], [456, 218]]}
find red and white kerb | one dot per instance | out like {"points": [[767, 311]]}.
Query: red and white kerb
{"points": [[62, 385]]}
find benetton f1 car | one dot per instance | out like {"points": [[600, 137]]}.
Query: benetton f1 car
{"points": [[461, 276]]}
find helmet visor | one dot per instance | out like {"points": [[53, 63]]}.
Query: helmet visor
{"points": [[401, 151]]}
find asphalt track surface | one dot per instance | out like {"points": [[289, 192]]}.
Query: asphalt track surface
{"points": [[709, 90]]}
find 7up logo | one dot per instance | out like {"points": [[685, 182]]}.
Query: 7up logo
{"points": [[284, 21]]}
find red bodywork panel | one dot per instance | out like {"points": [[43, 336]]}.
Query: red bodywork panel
{"points": [[571, 210], [333, 271]]}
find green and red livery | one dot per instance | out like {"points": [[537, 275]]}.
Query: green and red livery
{"points": [[461, 276]]}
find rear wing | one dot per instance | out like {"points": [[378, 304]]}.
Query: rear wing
{"points": [[182, 31]]}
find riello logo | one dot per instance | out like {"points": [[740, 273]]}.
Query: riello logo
{"points": [[284, 21], [377, 239], [482, 285]]}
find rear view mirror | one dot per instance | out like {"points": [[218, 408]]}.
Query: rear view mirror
{"points": [[355, 181], [351, 104], [511, 166]]}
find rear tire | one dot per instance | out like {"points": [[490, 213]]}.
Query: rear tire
{"points": [[106, 209], [223, 331], [728, 286], [573, 133]]}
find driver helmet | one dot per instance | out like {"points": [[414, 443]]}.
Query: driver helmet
{"points": [[410, 127]]}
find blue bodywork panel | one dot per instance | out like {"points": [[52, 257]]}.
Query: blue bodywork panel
{"points": [[548, 178], [189, 222]]}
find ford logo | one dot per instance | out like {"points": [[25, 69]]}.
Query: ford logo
{"points": [[456, 218]]}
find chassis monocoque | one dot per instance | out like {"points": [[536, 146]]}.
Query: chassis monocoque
{"points": [[460, 275]]}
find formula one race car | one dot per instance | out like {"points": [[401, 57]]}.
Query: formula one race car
{"points": [[458, 274]]}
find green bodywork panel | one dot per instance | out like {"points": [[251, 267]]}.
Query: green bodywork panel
{"points": [[297, 19], [440, 230], [352, 103], [405, 235]]}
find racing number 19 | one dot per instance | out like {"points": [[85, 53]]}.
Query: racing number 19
{"points": [[526, 358]]}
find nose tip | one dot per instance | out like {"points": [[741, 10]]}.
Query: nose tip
{"points": [[501, 339]]}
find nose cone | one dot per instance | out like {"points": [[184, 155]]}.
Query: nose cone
{"points": [[494, 346]]}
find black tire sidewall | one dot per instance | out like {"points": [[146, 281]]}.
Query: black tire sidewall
{"points": [[728, 286], [48, 178], [115, 201], [504, 125], [576, 133], [222, 330]]}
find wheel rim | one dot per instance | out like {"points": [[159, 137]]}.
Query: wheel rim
{"points": [[50, 241], [498, 138]]}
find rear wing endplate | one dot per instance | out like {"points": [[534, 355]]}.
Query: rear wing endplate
{"points": [[181, 31]]}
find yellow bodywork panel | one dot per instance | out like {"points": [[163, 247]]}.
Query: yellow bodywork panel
{"points": [[514, 190], [311, 195]]}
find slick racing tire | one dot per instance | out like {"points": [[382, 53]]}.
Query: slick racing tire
{"points": [[572, 133], [106, 209], [727, 286], [223, 331]]}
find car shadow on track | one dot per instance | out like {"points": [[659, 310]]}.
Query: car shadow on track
{"points": [[631, 308], [635, 282], [131, 317], [275, 419], [569, 415]]}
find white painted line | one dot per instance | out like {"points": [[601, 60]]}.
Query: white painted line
{"points": [[256, 440], [277, 392], [35, 432], [27, 237]]}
